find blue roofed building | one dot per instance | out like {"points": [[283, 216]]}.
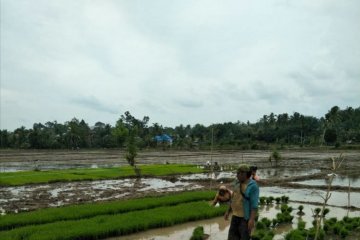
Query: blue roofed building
{"points": [[163, 139]]}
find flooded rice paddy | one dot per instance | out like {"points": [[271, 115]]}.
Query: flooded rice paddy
{"points": [[301, 175], [339, 180], [218, 228], [31, 197]]}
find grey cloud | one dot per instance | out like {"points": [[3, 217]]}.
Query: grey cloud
{"points": [[92, 102], [189, 103]]}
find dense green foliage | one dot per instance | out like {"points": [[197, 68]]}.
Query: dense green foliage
{"points": [[74, 212], [31, 177], [337, 127], [332, 227], [116, 224], [263, 230]]}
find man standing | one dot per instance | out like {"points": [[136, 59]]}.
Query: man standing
{"points": [[244, 204]]}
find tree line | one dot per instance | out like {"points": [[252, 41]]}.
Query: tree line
{"points": [[337, 127]]}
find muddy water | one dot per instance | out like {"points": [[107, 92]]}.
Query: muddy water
{"points": [[60, 159], [293, 163], [218, 228], [22, 198], [308, 195], [340, 180], [278, 173]]}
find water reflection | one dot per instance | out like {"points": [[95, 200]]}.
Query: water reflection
{"points": [[308, 195], [339, 180], [284, 172]]}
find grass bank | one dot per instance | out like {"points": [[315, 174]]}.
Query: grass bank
{"points": [[65, 175], [83, 211]]}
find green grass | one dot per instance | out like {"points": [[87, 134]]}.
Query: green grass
{"points": [[75, 212], [118, 224], [35, 177]]}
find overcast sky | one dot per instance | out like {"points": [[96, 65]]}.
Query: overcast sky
{"points": [[178, 62]]}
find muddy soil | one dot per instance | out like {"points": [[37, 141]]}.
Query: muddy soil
{"points": [[11, 160], [290, 173]]}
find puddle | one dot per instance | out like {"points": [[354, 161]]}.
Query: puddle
{"points": [[17, 167], [204, 176], [262, 173], [218, 228], [342, 181], [285, 172], [57, 194], [337, 198]]}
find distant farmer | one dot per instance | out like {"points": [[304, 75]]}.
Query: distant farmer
{"points": [[253, 170], [223, 196], [216, 166], [208, 164], [244, 205]]}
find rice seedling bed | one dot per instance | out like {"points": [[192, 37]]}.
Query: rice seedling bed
{"points": [[35, 177], [76, 212], [115, 225]]}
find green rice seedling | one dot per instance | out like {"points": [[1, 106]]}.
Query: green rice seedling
{"points": [[260, 225], [325, 212], [328, 227], [346, 219], [295, 234], [284, 199], [332, 220], [300, 212], [284, 208], [258, 234], [344, 232], [301, 225], [289, 209], [262, 234], [198, 233], [280, 218], [314, 222], [337, 227], [269, 200], [64, 175], [266, 221], [115, 225], [317, 211], [94, 209], [278, 200], [275, 222], [263, 200], [312, 232], [288, 218]]}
